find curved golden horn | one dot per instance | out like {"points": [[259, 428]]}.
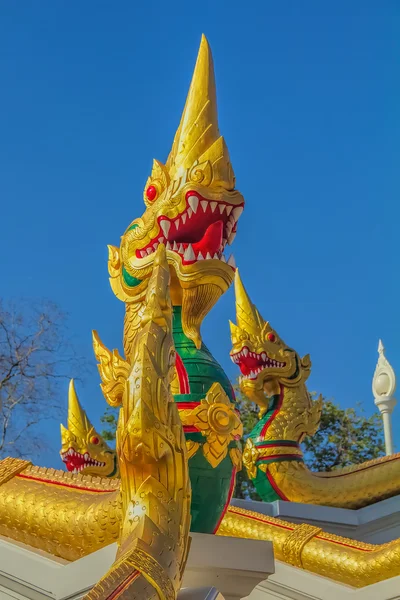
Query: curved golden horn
{"points": [[78, 422], [198, 139], [247, 315]]}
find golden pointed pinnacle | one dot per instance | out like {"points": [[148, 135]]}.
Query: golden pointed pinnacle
{"points": [[247, 316], [197, 139], [78, 423]]}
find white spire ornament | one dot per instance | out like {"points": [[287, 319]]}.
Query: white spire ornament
{"points": [[383, 388]]}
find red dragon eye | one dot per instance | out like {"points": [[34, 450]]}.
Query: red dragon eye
{"points": [[94, 440], [271, 337], [151, 193]]}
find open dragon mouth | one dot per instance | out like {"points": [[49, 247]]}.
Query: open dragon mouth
{"points": [[75, 462], [200, 232], [251, 363]]}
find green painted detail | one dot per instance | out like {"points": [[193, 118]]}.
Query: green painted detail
{"points": [[256, 432], [210, 487], [210, 492], [262, 485], [132, 227], [202, 368], [266, 461], [283, 443], [129, 280], [264, 488]]}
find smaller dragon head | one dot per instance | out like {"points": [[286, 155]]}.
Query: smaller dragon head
{"points": [[265, 361], [83, 450]]}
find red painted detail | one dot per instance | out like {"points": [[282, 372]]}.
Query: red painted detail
{"points": [[187, 405], [260, 519], [94, 440], [62, 484], [190, 429], [123, 585], [276, 489], [353, 546], [151, 193], [270, 456], [271, 337], [276, 411], [183, 377], [230, 494]]}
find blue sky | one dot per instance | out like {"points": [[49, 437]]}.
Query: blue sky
{"points": [[309, 105]]}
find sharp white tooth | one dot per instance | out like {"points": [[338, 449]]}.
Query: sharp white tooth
{"points": [[155, 246], [223, 258], [228, 228], [208, 256], [222, 208], [228, 209], [168, 246], [177, 223], [200, 256], [161, 240], [189, 254], [223, 243], [180, 249], [264, 356], [70, 451], [231, 237], [149, 250], [143, 253], [175, 247], [193, 203], [232, 359], [189, 212], [231, 261], [216, 256], [213, 206], [165, 225], [184, 218], [204, 205], [237, 212], [245, 351], [86, 456]]}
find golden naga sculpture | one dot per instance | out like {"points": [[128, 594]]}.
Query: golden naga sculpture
{"points": [[274, 376], [73, 515], [192, 208], [83, 449]]}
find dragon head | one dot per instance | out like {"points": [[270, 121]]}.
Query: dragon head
{"points": [[192, 207], [83, 450], [265, 361]]}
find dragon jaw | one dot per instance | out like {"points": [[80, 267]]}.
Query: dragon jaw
{"points": [[83, 450]]}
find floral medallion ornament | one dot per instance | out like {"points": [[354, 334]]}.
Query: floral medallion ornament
{"points": [[219, 422]]}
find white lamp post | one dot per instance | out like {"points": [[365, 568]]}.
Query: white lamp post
{"points": [[383, 388]]}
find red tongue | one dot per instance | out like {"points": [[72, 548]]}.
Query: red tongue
{"points": [[211, 240]]}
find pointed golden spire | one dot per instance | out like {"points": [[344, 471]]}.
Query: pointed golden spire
{"points": [[247, 315], [197, 138], [78, 423]]}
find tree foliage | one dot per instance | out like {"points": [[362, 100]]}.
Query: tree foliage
{"points": [[345, 437], [35, 359]]}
